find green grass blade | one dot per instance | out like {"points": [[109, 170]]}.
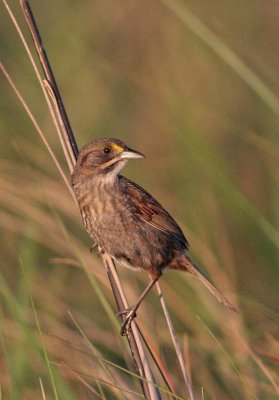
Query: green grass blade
{"points": [[224, 52], [45, 351]]}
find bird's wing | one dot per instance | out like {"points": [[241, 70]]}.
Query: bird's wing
{"points": [[152, 213]]}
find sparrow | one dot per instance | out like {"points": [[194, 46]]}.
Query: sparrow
{"points": [[126, 222]]}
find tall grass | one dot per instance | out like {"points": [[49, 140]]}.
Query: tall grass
{"points": [[212, 160]]}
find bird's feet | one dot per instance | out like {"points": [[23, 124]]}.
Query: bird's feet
{"points": [[95, 246], [130, 314]]}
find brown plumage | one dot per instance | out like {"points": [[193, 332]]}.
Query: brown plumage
{"points": [[126, 222]]}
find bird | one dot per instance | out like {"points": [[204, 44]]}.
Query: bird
{"points": [[126, 222]]}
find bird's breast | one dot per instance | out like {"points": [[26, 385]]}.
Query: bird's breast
{"points": [[103, 209]]}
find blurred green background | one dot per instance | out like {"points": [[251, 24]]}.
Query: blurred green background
{"points": [[195, 87]]}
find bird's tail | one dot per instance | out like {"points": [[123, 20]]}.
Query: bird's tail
{"points": [[190, 267]]}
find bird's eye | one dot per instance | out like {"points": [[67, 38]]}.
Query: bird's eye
{"points": [[107, 150]]}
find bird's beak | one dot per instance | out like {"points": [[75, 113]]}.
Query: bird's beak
{"points": [[130, 153]]}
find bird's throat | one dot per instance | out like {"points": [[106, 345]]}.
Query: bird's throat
{"points": [[109, 171]]}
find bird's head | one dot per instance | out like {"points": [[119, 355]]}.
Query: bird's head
{"points": [[105, 156]]}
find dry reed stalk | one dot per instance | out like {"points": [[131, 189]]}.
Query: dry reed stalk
{"points": [[65, 133]]}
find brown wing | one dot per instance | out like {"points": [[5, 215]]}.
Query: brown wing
{"points": [[152, 213]]}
